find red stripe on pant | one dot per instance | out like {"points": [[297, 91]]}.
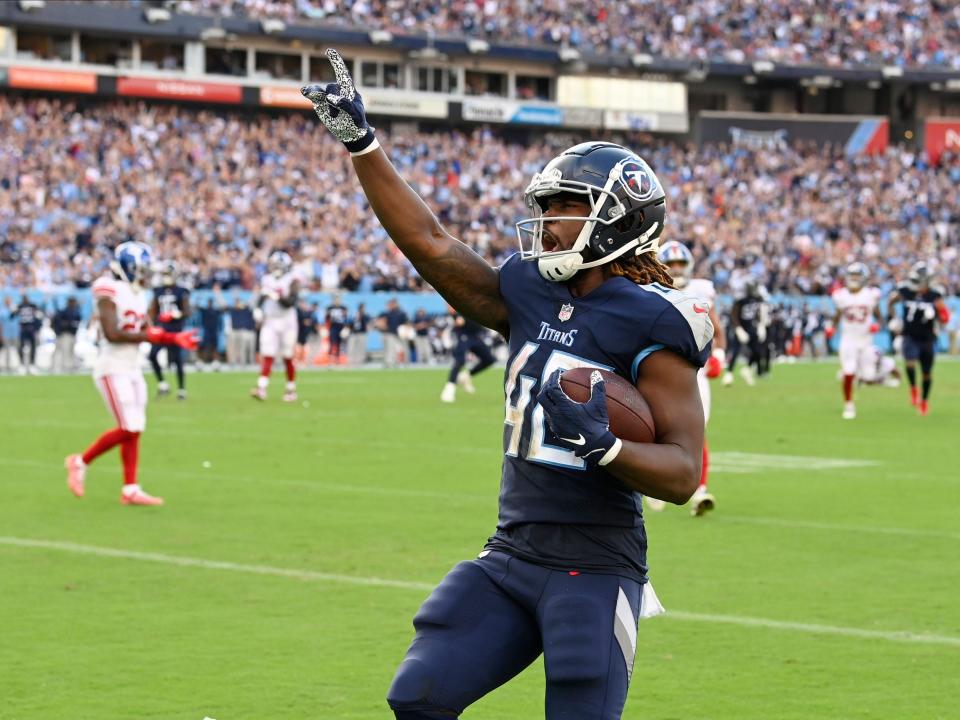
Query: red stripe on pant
{"points": [[114, 405]]}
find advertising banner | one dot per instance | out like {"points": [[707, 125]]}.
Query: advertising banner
{"points": [[941, 135], [857, 134], [510, 111], [377, 102], [179, 90], [645, 121], [30, 78]]}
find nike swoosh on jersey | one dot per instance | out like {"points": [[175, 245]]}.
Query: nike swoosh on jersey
{"points": [[700, 308], [579, 440]]}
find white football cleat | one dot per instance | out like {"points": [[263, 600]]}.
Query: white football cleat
{"points": [[747, 374], [702, 502], [449, 393], [654, 504], [290, 396], [727, 379], [76, 474], [163, 389], [133, 495], [849, 411], [258, 394], [465, 381]]}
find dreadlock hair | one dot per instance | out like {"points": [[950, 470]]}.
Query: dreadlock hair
{"points": [[642, 269]]}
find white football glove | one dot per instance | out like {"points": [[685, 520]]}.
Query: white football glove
{"points": [[742, 335], [895, 326], [257, 315], [721, 355]]}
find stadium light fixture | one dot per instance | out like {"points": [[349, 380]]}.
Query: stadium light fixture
{"points": [[478, 47], [891, 71], [641, 60], [272, 26], [213, 33], [155, 15], [763, 66], [568, 54], [380, 37], [31, 5]]}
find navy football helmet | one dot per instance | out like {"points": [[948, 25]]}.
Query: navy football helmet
{"points": [[627, 208], [131, 261], [919, 276]]}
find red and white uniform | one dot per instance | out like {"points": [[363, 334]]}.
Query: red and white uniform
{"points": [[879, 368], [116, 371], [856, 316], [278, 333], [703, 289]]}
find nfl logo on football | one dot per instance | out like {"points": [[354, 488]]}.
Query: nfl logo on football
{"points": [[566, 311]]}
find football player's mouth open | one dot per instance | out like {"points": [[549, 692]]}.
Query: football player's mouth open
{"points": [[549, 241]]}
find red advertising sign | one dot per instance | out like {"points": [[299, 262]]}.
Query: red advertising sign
{"points": [[179, 90], [941, 135], [30, 78], [282, 96]]}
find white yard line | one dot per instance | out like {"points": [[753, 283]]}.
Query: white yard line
{"points": [[311, 575]]}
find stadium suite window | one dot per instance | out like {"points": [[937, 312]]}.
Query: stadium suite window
{"points": [[485, 83], [280, 66], [321, 71], [221, 61], [160, 55], [534, 87], [435, 79], [380, 74], [99, 50], [43, 46]]}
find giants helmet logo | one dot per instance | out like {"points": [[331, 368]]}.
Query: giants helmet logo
{"points": [[637, 180]]}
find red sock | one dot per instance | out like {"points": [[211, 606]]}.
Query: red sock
{"points": [[266, 365], [704, 467], [291, 370], [130, 453], [848, 387], [107, 441]]}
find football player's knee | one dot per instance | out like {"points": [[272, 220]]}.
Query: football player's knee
{"points": [[576, 639], [410, 694]]}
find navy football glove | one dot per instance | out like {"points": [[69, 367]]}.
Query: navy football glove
{"points": [[340, 108], [584, 428]]}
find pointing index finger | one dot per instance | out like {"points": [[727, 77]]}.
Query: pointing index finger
{"points": [[342, 74]]}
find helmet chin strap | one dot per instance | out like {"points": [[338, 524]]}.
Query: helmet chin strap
{"points": [[558, 267]]}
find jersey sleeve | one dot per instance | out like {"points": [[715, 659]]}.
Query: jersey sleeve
{"points": [[104, 288], [684, 327]]}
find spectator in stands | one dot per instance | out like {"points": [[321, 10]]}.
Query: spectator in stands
{"points": [[66, 323], [357, 340], [390, 323]]}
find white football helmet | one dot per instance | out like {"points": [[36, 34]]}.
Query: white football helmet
{"points": [[679, 261], [279, 263]]}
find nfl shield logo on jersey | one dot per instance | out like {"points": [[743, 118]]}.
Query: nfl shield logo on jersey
{"points": [[566, 311]]}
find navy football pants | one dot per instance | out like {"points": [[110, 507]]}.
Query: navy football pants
{"points": [[479, 348], [490, 618]]}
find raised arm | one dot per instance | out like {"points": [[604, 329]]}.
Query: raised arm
{"points": [[464, 279]]}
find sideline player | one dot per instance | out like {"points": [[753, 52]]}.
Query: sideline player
{"points": [[565, 571], [169, 309], [122, 308], [858, 316], [277, 304], [679, 260], [923, 305], [468, 337], [747, 318]]}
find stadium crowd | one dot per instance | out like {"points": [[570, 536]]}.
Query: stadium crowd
{"points": [[825, 32], [216, 193]]}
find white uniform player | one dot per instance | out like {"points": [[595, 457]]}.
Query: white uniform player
{"points": [[879, 370], [122, 308], [277, 313], [679, 261], [858, 315], [116, 371]]}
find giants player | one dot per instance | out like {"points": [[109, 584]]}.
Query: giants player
{"points": [[277, 305], [858, 309], [122, 309], [923, 306], [679, 260]]}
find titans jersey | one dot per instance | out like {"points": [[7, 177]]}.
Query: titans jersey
{"points": [[171, 300], [555, 511], [919, 312]]}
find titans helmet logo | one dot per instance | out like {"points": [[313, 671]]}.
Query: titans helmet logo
{"points": [[637, 180]]}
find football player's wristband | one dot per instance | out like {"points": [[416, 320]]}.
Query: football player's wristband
{"points": [[611, 454], [369, 148]]}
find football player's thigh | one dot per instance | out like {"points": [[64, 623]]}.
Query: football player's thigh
{"points": [[589, 628], [849, 357], [268, 340], [288, 340], [470, 638]]}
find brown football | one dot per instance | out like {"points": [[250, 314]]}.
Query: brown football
{"points": [[630, 416]]}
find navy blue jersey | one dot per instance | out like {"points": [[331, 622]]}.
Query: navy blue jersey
{"points": [[171, 298], [919, 312], [747, 309], [553, 510]]}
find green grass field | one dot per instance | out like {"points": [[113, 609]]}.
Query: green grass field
{"points": [[280, 581]]}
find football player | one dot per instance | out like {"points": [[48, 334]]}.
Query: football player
{"points": [[121, 304], [923, 306], [468, 338], [277, 310], [749, 329], [565, 573], [858, 316], [336, 322], [679, 260], [169, 309]]}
